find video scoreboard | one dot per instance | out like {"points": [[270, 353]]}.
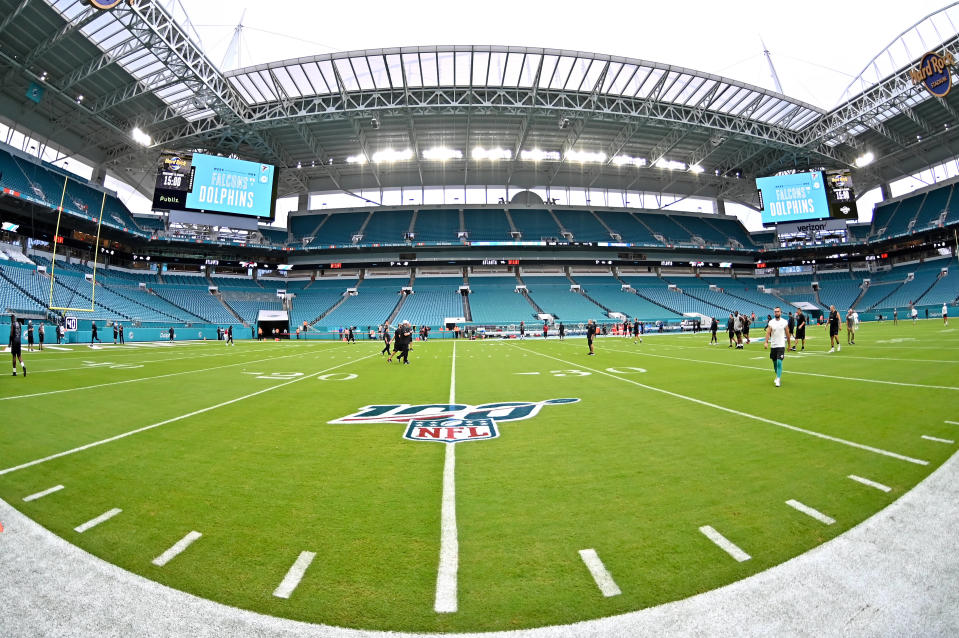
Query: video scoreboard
{"points": [[807, 196], [207, 184]]}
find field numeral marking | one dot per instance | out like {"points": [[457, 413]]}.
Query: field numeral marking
{"points": [[604, 580], [569, 373], [338, 376], [625, 370], [112, 366], [276, 376]]}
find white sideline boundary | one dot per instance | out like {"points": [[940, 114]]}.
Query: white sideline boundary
{"points": [[937, 439], [799, 372], [174, 419], [138, 379], [786, 426], [177, 549], [447, 573]]}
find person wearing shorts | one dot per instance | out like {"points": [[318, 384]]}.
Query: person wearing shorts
{"points": [[777, 336], [16, 332], [800, 331], [834, 330]]}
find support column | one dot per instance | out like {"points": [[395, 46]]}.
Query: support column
{"points": [[720, 206], [885, 191], [303, 201], [99, 175]]}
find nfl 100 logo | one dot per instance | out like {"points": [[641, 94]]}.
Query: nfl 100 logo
{"points": [[449, 422]]}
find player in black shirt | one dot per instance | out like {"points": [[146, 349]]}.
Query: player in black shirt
{"points": [[401, 342], [792, 331], [349, 335], [834, 329], [229, 336], [590, 335], [637, 331], [93, 333], [171, 333], [713, 327], [15, 332], [562, 331], [522, 330], [386, 341], [800, 330], [30, 336], [40, 334]]}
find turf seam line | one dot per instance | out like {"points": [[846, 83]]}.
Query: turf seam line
{"points": [[724, 543], [755, 417], [177, 548], [34, 497], [865, 481], [173, 420], [294, 575], [162, 376], [96, 521], [604, 580], [809, 511], [446, 575]]}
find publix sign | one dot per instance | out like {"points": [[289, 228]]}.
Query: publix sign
{"points": [[935, 73]]}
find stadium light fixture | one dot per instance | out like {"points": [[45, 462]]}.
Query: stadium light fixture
{"points": [[672, 165], [865, 159], [140, 137], [80, 99], [442, 154], [390, 155], [538, 155], [696, 169], [480, 153], [627, 160], [586, 157], [356, 159]]}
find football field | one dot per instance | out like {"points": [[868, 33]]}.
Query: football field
{"points": [[487, 485]]}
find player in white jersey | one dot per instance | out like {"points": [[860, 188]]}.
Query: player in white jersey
{"points": [[777, 336], [914, 313], [945, 316]]}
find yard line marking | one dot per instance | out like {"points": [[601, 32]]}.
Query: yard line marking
{"points": [[937, 439], [953, 422], [173, 420], [172, 553], [808, 374], [865, 481], [96, 521], [160, 376], [805, 509], [525, 373], [34, 497], [293, 577], [604, 580], [446, 601], [724, 543], [747, 415]]}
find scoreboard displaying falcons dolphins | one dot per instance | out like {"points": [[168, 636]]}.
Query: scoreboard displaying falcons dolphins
{"points": [[804, 196], [206, 184]]}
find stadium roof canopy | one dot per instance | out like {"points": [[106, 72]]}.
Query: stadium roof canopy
{"points": [[330, 121]]}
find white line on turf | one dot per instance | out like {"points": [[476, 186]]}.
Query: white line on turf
{"points": [[138, 361], [174, 419], [724, 543], [807, 374], [953, 422], [96, 521], [865, 481], [446, 576], [159, 376], [293, 577], [937, 439], [747, 415], [172, 553], [805, 509], [34, 497], [604, 580]]}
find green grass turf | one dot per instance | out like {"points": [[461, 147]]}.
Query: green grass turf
{"points": [[628, 471]]}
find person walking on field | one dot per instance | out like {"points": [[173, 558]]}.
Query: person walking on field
{"points": [[40, 333], [777, 336], [590, 335], [834, 329], [15, 344], [945, 319], [386, 341]]}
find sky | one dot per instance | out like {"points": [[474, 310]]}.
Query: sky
{"points": [[817, 46]]}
